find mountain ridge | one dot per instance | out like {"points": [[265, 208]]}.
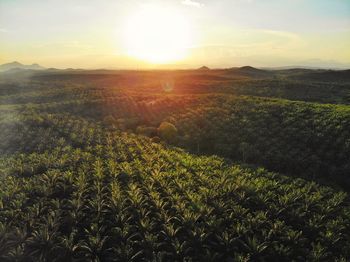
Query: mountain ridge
{"points": [[18, 65]]}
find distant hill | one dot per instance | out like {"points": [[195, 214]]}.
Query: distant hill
{"points": [[325, 75], [294, 67], [248, 71], [204, 68], [17, 65]]}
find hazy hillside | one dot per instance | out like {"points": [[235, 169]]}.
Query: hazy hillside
{"points": [[326, 75], [294, 84], [17, 65]]}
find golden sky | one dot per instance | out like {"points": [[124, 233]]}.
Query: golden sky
{"points": [[175, 33]]}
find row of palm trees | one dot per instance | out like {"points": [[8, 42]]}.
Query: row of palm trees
{"points": [[296, 138], [120, 197]]}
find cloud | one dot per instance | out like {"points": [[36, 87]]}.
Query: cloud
{"points": [[192, 3]]}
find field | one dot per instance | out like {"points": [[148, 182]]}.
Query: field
{"points": [[238, 164]]}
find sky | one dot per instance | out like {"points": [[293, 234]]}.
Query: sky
{"points": [[220, 33]]}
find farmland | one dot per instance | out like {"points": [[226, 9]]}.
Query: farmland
{"points": [[238, 164]]}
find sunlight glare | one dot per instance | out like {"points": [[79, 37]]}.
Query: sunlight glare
{"points": [[157, 35]]}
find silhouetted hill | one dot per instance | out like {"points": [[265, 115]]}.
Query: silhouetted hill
{"points": [[204, 68], [248, 71], [17, 65]]}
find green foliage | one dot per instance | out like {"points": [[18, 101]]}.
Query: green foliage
{"points": [[75, 187], [168, 132], [119, 196], [301, 139], [147, 131], [109, 120]]}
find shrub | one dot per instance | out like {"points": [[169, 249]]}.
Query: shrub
{"points": [[168, 132], [109, 120]]}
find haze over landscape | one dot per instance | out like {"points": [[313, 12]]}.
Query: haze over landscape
{"points": [[185, 33]]}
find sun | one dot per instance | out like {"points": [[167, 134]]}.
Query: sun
{"points": [[157, 35]]}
